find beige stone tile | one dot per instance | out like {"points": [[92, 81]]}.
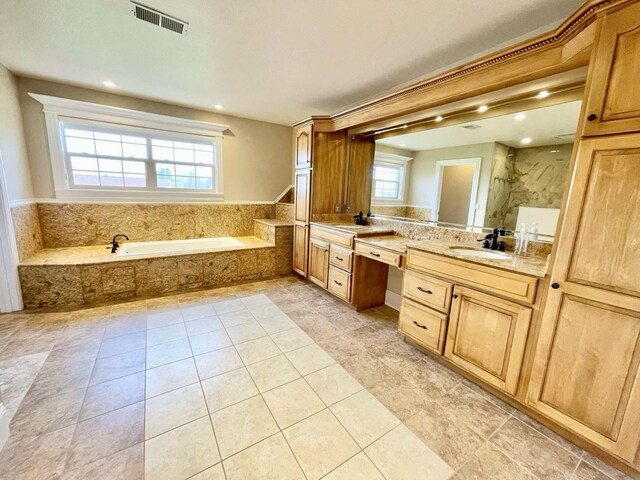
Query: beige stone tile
{"points": [[341, 348], [257, 350], [214, 473], [242, 425], [227, 306], [317, 327], [272, 373], [245, 332], [432, 378], [320, 444], [169, 333], [112, 395], [588, 472], [401, 397], [417, 458], [534, 451], [270, 459], [264, 311], [607, 469], [194, 312], [309, 359], [563, 442], [356, 468], [233, 319], [255, 300], [174, 408], [127, 464], [368, 371], [124, 326], [162, 318], [228, 388], [333, 384], [203, 325], [171, 376], [291, 339], [102, 436], [208, 342], [108, 368], [217, 362], [182, 452], [364, 417], [168, 353], [122, 344], [278, 323], [489, 463], [292, 402], [489, 396]]}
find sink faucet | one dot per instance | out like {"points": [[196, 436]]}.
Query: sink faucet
{"points": [[491, 241], [114, 242], [359, 218]]}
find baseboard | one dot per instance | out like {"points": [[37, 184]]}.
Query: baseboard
{"points": [[4, 425], [392, 299]]}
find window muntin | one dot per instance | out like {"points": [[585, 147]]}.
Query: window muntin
{"points": [[387, 181]]}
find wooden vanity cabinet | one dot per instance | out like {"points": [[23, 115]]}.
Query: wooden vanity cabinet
{"points": [[318, 262], [300, 248], [302, 141]]}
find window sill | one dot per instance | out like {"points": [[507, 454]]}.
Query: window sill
{"points": [[91, 195]]}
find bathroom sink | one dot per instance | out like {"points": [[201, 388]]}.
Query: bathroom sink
{"points": [[477, 253]]}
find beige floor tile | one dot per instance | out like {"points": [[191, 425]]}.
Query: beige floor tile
{"points": [[162, 318], [608, 470], [182, 452], [203, 325], [272, 373], [257, 350], [194, 312], [418, 461], [489, 463], [122, 344], [489, 396], [534, 451], [174, 408], [102, 436], [401, 397], [112, 395], [125, 325], [171, 376], [292, 402], [310, 359], [169, 333], [242, 425], [368, 371], [168, 353], [213, 473], [364, 417], [356, 468], [208, 342], [270, 459], [563, 442], [127, 464], [333, 384], [218, 362], [278, 323], [264, 311], [253, 300], [109, 368], [233, 319], [245, 332], [291, 339], [588, 472], [228, 388], [320, 444], [227, 306]]}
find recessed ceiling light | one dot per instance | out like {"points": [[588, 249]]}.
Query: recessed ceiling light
{"points": [[403, 144], [521, 116], [525, 140], [543, 94], [109, 84], [405, 126], [438, 118], [555, 151], [482, 108], [217, 106]]}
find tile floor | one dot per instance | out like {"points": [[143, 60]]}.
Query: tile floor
{"points": [[268, 380]]}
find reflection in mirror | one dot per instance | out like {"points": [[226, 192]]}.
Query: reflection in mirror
{"points": [[503, 171]]}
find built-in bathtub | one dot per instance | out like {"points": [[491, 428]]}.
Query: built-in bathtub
{"points": [[167, 247]]}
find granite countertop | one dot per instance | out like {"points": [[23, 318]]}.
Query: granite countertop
{"points": [[357, 230], [391, 242], [101, 254], [274, 222], [529, 265]]}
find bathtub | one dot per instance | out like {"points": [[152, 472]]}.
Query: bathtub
{"points": [[178, 246]]}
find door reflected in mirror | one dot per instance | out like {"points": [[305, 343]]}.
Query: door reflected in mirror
{"points": [[503, 171]]}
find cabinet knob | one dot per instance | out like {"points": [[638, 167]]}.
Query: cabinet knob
{"points": [[592, 116], [455, 295], [555, 285]]}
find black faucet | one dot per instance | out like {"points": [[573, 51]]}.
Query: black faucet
{"points": [[359, 218], [114, 242], [491, 241]]}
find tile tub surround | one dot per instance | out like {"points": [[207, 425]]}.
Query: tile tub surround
{"points": [[26, 223], [285, 212], [235, 403]]}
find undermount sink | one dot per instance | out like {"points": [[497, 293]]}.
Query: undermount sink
{"points": [[477, 253]]}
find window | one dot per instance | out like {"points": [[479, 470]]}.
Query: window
{"points": [[389, 172], [101, 152]]}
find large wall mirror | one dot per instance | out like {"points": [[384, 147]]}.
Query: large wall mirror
{"points": [[501, 170]]}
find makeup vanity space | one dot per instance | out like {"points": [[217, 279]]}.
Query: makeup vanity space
{"points": [[544, 132]]}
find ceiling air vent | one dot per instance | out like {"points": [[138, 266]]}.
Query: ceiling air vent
{"points": [[160, 19], [471, 127], [566, 137]]}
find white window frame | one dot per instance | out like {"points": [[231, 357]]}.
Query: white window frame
{"points": [[58, 110], [384, 159]]}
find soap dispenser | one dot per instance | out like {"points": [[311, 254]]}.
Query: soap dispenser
{"points": [[522, 241]]}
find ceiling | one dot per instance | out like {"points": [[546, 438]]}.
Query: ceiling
{"points": [[541, 125], [273, 60]]}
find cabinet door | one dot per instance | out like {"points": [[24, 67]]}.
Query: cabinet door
{"points": [[487, 337], [300, 246], [586, 373], [613, 102], [302, 147], [302, 195], [319, 262]]}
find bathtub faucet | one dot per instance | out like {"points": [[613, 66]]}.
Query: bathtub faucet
{"points": [[114, 242]]}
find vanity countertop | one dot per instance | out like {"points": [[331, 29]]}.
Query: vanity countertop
{"points": [[390, 242], [534, 265], [357, 230]]}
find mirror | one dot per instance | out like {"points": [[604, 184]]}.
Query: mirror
{"points": [[493, 171]]}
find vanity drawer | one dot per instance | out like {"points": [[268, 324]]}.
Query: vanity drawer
{"points": [[340, 283], [428, 290], [341, 257], [380, 254], [425, 326], [332, 236]]}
